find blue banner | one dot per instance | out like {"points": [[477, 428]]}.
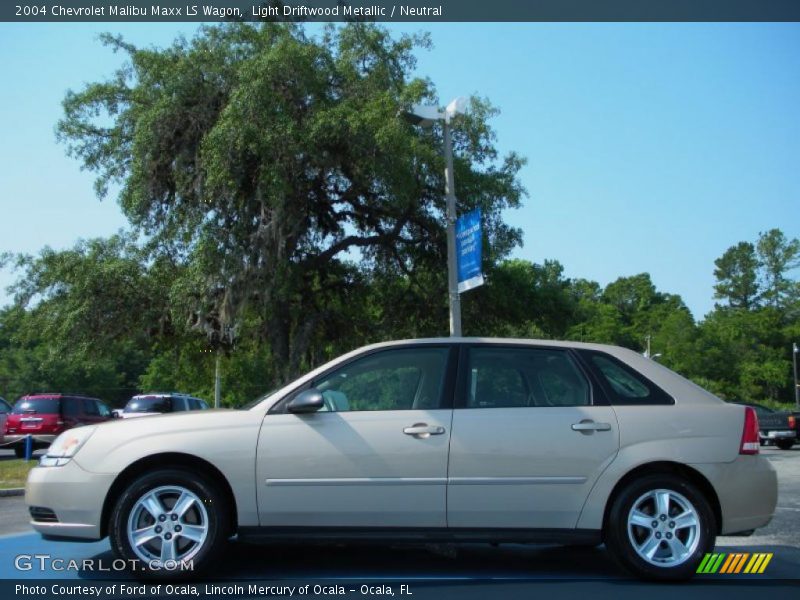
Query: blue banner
{"points": [[468, 250]]}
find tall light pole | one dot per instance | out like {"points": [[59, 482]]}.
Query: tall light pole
{"points": [[796, 384], [426, 116]]}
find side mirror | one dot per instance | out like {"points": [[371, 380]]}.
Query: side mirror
{"points": [[308, 401]]}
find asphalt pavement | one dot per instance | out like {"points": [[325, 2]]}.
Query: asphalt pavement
{"points": [[424, 564]]}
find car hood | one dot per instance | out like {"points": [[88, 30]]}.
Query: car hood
{"points": [[201, 433], [172, 421]]}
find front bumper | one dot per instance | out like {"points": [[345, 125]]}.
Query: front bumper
{"points": [[76, 497]]}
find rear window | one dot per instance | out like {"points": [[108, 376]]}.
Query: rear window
{"points": [[149, 404], [36, 405]]}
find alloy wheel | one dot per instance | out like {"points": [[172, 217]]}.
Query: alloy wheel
{"points": [[663, 528], [168, 523]]}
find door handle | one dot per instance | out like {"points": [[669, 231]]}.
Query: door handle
{"points": [[590, 426], [423, 430]]}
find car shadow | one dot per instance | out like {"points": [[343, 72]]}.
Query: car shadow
{"points": [[243, 561], [439, 562]]}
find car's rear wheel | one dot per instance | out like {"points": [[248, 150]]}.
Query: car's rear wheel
{"points": [[785, 444], [169, 524], [660, 527]]}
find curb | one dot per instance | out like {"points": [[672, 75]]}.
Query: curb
{"points": [[12, 492]]}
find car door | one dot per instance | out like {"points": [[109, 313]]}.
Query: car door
{"points": [[374, 455], [529, 439]]}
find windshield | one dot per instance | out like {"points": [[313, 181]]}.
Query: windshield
{"points": [[140, 404], [38, 405]]}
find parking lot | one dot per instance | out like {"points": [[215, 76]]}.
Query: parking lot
{"points": [[440, 563]]}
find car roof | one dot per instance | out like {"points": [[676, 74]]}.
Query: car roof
{"points": [[53, 396], [164, 395], [506, 341]]}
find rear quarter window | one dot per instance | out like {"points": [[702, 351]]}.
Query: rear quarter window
{"points": [[623, 384]]}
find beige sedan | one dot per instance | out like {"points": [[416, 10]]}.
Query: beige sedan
{"points": [[452, 439]]}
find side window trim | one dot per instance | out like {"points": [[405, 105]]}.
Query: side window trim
{"points": [[597, 397]]}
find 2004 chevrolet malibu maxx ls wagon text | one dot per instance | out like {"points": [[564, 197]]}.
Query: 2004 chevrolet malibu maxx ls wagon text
{"points": [[453, 439]]}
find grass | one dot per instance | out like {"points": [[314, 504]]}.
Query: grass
{"points": [[13, 473]]}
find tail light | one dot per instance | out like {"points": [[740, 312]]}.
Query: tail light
{"points": [[792, 422], [750, 444]]}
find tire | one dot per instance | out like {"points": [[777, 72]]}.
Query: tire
{"points": [[784, 444], [645, 550], [19, 451], [146, 505]]}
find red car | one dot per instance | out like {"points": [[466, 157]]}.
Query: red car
{"points": [[44, 416]]}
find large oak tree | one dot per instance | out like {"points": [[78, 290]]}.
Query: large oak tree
{"points": [[277, 169]]}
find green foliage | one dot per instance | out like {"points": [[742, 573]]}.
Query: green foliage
{"points": [[737, 277], [283, 212], [778, 256], [256, 158]]}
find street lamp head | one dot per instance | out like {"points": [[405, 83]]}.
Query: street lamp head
{"points": [[456, 107], [423, 114], [426, 115]]}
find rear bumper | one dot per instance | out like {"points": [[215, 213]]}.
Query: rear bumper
{"points": [[747, 489], [39, 439], [783, 434], [75, 496]]}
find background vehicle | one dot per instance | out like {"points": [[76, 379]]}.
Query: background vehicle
{"points": [[5, 408], [775, 427], [44, 416], [451, 439], [156, 403]]}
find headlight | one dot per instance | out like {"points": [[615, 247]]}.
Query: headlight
{"points": [[66, 446]]}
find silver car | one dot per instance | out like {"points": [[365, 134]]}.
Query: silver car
{"points": [[452, 439]]}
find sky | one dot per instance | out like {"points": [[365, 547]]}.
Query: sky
{"points": [[651, 147]]}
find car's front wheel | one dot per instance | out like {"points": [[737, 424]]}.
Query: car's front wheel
{"points": [[169, 524], [660, 527]]}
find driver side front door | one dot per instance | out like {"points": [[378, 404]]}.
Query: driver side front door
{"points": [[375, 455]]}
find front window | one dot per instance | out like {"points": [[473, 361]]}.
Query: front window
{"points": [[404, 379]]}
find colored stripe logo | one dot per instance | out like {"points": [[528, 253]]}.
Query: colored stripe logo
{"points": [[735, 563]]}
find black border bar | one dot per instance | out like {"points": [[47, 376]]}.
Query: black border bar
{"points": [[428, 11]]}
